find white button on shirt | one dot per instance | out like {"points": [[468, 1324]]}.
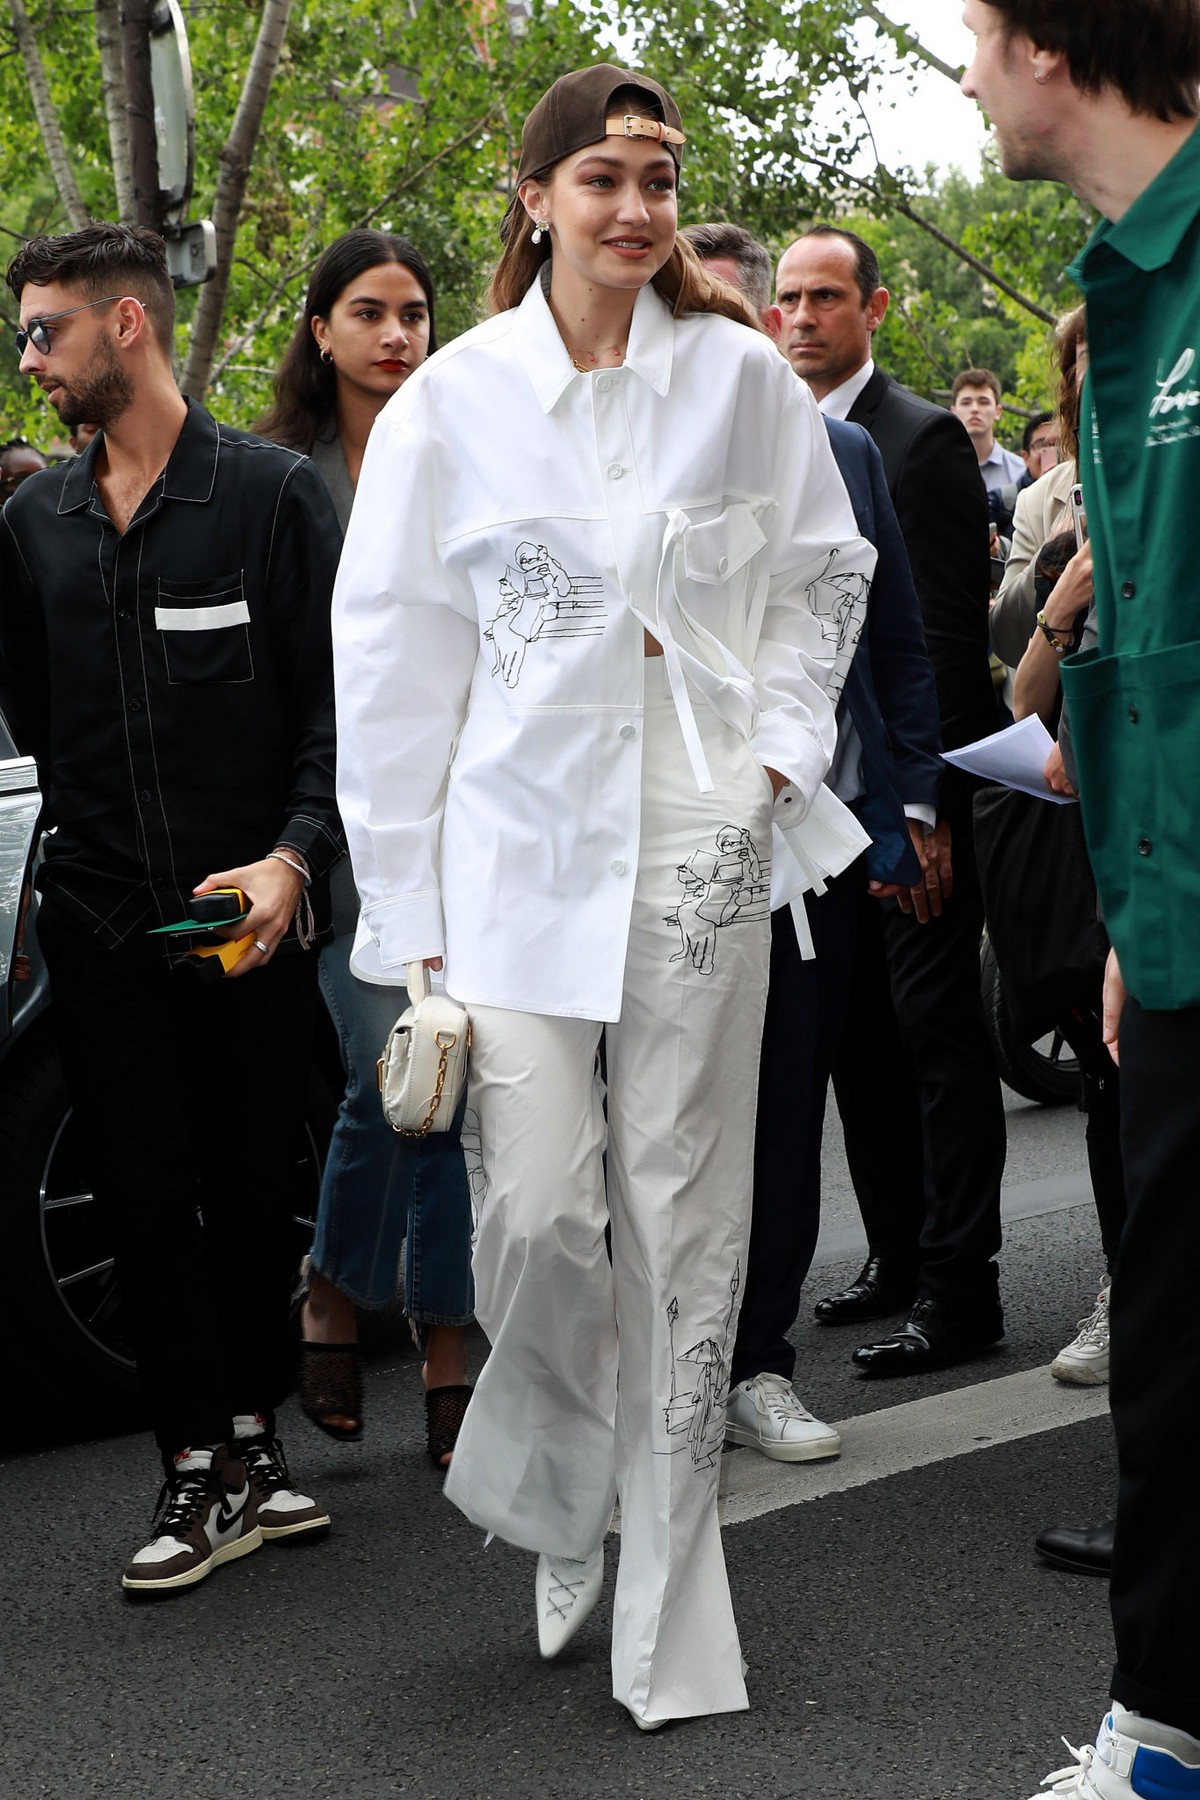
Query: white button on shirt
{"points": [[509, 510]]}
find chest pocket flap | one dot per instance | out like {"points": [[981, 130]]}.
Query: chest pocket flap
{"points": [[204, 630], [718, 548]]}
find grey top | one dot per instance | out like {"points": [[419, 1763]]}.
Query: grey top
{"points": [[330, 464]]}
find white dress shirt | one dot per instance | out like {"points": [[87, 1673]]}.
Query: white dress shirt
{"points": [[838, 401], [517, 526]]}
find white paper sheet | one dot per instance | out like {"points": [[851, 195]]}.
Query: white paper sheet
{"points": [[1015, 758]]}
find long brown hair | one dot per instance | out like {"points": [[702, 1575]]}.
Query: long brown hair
{"points": [[683, 281], [1069, 334]]}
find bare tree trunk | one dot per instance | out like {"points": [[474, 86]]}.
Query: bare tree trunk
{"points": [[235, 162], [112, 82], [47, 117]]}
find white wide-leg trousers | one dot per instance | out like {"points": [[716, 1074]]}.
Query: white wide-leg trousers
{"points": [[610, 1381]]}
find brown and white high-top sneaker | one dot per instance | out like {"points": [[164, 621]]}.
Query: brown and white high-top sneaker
{"points": [[205, 1515], [283, 1512]]}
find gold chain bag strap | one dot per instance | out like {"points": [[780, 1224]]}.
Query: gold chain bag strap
{"points": [[423, 1069]]}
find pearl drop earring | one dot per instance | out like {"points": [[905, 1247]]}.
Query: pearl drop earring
{"points": [[540, 228]]}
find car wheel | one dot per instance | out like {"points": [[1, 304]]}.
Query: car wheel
{"points": [[1042, 1069], [64, 1313]]}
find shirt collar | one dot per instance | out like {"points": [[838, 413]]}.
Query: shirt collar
{"points": [[80, 476], [1150, 233], [548, 364], [190, 474], [839, 400]]}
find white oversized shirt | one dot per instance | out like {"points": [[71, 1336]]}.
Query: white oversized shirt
{"points": [[516, 526]]}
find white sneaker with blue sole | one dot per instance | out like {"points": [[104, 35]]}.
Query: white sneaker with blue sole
{"points": [[1133, 1758]]}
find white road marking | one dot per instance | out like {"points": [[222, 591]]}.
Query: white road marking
{"points": [[909, 1436]]}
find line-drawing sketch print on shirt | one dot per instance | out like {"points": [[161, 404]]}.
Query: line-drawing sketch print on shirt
{"points": [[695, 1413], [723, 886], [839, 604], [539, 600]]}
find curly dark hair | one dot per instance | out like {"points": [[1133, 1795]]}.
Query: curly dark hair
{"points": [[99, 259]]}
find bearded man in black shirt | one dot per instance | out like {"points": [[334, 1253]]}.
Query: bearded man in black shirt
{"points": [[165, 655]]}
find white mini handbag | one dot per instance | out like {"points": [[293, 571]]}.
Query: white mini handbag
{"points": [[423, 1069]]}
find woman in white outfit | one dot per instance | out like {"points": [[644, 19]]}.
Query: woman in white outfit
{"points": [[538, 819]]}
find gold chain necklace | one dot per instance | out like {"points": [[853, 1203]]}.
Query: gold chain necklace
{"points": [[591, 362]]}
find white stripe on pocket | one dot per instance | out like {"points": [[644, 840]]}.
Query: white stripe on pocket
{"points": [[201, 618]]}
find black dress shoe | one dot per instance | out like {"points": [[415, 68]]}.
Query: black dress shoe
{"points": [[1083, 1549], [876, 1291], [933, 1337]]}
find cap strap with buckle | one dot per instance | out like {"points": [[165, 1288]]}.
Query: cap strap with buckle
{"points": [[633, 125]]}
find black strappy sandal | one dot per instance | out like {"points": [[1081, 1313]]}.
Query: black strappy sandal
{"points": [[445, 1410]]}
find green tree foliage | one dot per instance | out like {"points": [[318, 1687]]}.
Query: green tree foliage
{"points": [[406, 114], [945, 315]]}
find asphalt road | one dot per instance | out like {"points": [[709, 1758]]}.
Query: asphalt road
{"points": [[903, 1642]]}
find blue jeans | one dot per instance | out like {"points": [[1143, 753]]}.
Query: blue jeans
{"points": [[380, 1188]]}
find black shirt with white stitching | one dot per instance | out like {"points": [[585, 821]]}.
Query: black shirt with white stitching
{"points": [[174, 681]]}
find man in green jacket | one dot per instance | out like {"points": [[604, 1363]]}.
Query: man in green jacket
{"points": [[1104, 97]]}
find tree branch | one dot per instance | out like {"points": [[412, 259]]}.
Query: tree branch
{"points": [[116, 103], [908, 44], [235, 161], [47, 117], [989, 274], [238, 345], [887, 192]]}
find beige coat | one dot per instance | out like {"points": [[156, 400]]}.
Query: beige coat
{"points": [[1042, 511]]}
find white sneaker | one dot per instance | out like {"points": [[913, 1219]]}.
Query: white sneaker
{"points": [[1132, 1759], [565, 1591], [765, 1413], [1084, 1361]]}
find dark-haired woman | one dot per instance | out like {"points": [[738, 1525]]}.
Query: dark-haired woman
{"points": [[367, 324], [578, 652]]}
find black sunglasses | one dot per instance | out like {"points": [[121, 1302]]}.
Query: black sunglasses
{"points": [[35, 332]]}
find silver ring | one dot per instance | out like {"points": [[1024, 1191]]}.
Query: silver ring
{"points": [[264, 948]]}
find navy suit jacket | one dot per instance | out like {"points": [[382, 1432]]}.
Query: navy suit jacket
{"points": [[890, 693]]}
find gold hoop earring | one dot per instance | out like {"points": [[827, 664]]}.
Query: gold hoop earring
{"points": [[327, 355]]}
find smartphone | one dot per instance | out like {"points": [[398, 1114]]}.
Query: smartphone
{"points": [[1078, 516], [224, 906]]}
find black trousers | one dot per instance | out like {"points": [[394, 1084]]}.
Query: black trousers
{"points": [[192, 1100], [1154, 1383], [803, 1021], [879, 1100], [1100, 1084], [933, 970]]}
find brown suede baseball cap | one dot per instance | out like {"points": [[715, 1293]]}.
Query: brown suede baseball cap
{"points": [[574, 113]]}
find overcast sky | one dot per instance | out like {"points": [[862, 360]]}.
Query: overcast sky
{"points": [[936, 125]]}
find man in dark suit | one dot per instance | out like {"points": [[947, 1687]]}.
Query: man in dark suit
{"points": [[930, 1202], [887, 769]]}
